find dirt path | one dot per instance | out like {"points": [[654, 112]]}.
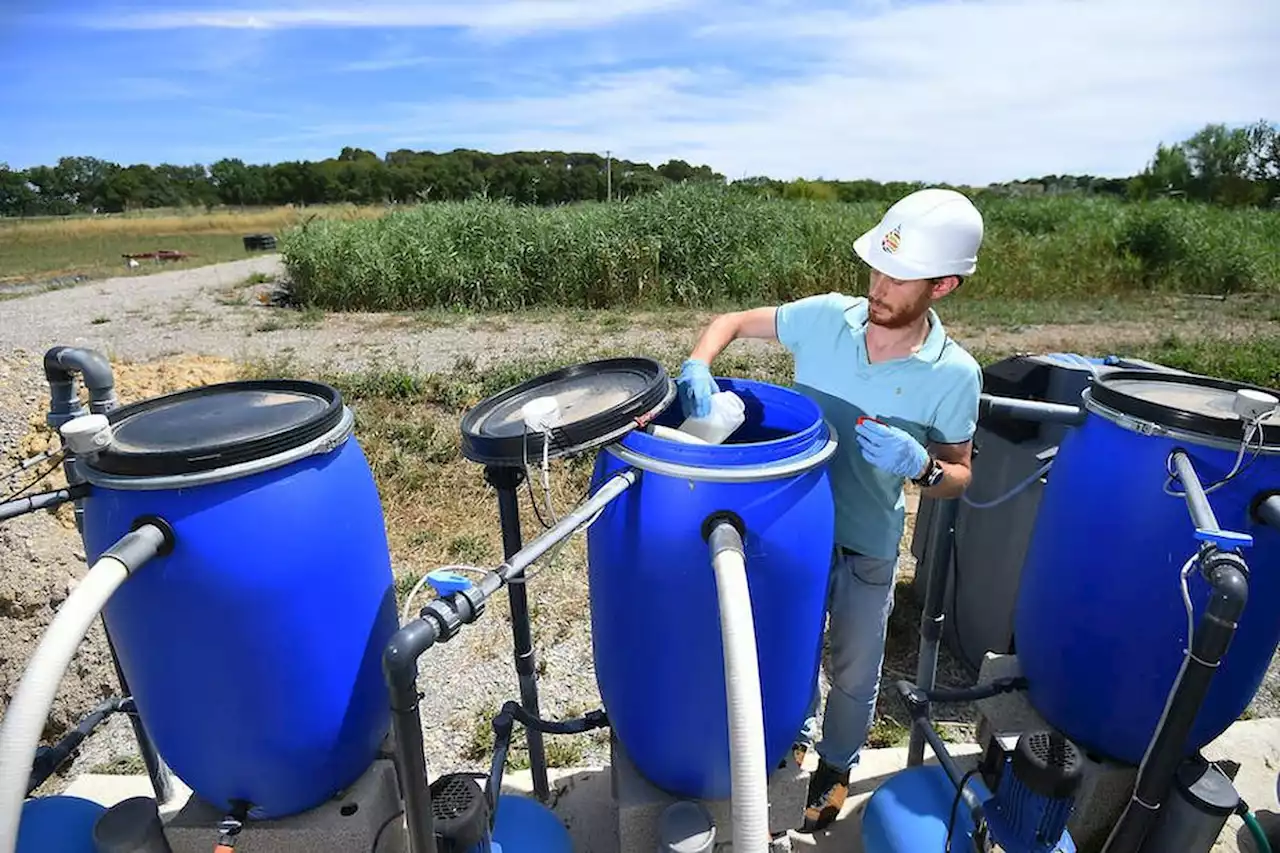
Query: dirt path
{"points": [[213, 313]]}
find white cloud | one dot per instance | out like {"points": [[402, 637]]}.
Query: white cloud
{"points": [[944, 90], [977, 91], [479, 15]]}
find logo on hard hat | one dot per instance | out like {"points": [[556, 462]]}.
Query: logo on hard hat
{"points": [[891, 240]]}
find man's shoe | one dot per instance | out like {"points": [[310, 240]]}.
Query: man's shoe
{"points": [[828, 789]]}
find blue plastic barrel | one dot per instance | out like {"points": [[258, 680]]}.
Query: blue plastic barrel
{"points": [[1100, 625], [253, 649], [911, 813], [655, 621], [59, 823], [526, 826]]}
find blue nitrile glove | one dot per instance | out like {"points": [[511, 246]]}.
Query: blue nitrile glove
{"points": [[695, 387], [891, 449]]}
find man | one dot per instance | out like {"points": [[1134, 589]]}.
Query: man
{"points": [[903, 398]]}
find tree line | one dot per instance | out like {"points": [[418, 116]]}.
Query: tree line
{"points": [[1218, 165]]}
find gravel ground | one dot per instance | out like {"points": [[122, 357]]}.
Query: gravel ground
{"points": [[210, 312]]}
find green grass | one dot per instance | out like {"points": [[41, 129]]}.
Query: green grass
{"points": [[708, 246], [1256, 361], [91, 246], [39, 255]]}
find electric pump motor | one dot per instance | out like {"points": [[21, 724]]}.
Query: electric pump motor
{"points": [[1035, 786], [460, 812]]}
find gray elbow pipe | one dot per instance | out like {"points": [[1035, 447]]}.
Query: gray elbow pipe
{"points": [[400, 668], [60, 366]]}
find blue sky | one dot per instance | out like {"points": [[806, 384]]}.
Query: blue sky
{"points": [[966, 92]]}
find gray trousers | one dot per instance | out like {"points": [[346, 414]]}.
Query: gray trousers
{"points": [[859, 601]]}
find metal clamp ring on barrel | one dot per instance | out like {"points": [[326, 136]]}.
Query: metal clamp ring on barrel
{"points": [[728, 474], [1154, 430], [324, 444]]}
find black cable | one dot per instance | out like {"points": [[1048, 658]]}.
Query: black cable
{"points": [[533, 501], [528, 481], [964, 780], [378, 835], [57, 461]]}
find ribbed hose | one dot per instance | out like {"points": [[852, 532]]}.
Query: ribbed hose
{"points": [[1255, 830], [24, 721], [748, 768]]}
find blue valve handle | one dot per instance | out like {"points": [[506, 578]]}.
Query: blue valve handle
{"points": [[1225, 538], [445, 582]]}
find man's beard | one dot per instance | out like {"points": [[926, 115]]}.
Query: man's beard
{"points": [[884, 316]]}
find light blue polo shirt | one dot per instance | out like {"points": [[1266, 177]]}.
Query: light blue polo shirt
{"points": [[932, 394]]}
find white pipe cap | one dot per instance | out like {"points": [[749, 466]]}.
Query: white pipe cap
{"points": [[87, 435], [1250, 404], [541, 414]]}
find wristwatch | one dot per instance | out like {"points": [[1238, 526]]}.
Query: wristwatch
{"points": [[932, 475]]}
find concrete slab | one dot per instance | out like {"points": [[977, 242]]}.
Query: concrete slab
{"points": [[1249, 752], [350, 821], [583, 797], [639, 804]]}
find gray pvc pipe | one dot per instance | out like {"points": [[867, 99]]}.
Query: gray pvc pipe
{"points": [[1012, 408], [60, 365], [514, 567], [940, 543], [1197, 501]]}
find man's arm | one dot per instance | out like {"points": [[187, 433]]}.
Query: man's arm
{"points": [[956, 461], [725, 329]]}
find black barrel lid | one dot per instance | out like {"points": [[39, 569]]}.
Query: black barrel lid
{"points": [[215, 426], [1187, 402], [597, 402]]}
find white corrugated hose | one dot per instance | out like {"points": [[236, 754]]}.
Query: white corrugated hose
{"points": [[748, 768], [25, 719]]}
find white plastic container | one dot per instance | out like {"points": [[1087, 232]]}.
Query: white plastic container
{"points": [[727, 414]]}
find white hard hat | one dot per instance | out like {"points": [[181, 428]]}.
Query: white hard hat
{"points": [[927, 234]]}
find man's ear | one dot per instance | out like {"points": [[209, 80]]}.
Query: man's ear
{"points": [[944, 285]]}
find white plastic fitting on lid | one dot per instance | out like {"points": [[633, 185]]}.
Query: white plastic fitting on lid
{"points": [[87, 435], [541, 414], [1250, 404]]}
